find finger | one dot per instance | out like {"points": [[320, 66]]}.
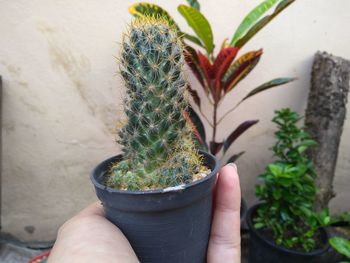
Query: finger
{"points": [[224, 243]]}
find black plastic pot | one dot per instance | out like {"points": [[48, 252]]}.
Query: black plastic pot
{"points": [[262, 250], [243, 210], [162, 226]]}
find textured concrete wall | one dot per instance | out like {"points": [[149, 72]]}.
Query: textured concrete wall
{"points": [[62, 98]]}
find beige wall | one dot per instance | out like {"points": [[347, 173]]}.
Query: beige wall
{"points": [[62, 98]]}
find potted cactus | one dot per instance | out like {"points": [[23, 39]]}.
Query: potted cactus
{"points": [[159, 191]]}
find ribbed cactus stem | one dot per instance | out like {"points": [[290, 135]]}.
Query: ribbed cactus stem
{"points": [[156, 140]]}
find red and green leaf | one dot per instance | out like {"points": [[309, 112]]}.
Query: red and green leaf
{"points": [[147, 9], [209, 73], [194, 95], [235, 157], [206, 66], [268, 85], [238, 132], [192, 61], [197, 126], [215, 147], [223, 55], [262, 23], [241, 68], [221, 65]]}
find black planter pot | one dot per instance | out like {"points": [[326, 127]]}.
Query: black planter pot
{"points": [[243, 210], [162, 226], [262, 250]]}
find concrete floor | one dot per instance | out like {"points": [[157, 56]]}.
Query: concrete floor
{"points": [[10, 253], [13, 250]]}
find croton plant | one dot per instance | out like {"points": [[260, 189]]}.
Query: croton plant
{"points": [[219, 73]]}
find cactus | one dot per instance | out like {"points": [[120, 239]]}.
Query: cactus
{"points": [[157, 144]]}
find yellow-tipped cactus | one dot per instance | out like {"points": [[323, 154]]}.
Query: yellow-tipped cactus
{"points": [[156, 140]]}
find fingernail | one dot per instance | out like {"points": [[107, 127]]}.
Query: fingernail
{"points": [[233, 165]]}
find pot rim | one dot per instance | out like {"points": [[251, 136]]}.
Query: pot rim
{"points": [[97, 184], [295, 252]]}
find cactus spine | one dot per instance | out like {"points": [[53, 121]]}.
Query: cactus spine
{"points": [[156, 140]]}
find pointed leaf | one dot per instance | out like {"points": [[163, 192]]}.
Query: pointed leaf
{"points": [[208, 71], [229, 52], [194, 95], [194, 3], [206, 65], [192, 61], [193, 127], [268, 85], [224, 44], [193, 39], [215, 147], [341, 245], [147, 9], [245, 57], [201, 137], [200, 25], [241, 68], [238, 132], [262, 23], [251, 18], [235, 157], [221, 65]]}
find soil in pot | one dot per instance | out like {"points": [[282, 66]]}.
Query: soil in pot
{"points": [[263, 250], [162, 226]]}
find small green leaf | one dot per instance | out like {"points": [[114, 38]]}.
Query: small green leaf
{"points": [[194, 3], [274, 169], [308, 143], [277, 194], [341, 245], [326, 220], [302, 149], [259, 225], [251, 18], [200, 25], [193, 39]]}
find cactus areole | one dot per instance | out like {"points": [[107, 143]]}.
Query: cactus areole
{"points": [[159, 191]]}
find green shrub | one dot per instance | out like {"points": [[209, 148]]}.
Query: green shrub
{"points": [[288, 190]]}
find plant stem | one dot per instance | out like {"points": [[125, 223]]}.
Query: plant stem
{"points": [[214, 120], [205, 117], [228, 112]]}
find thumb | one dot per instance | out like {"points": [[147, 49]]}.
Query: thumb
{"points": [[225, 240]]}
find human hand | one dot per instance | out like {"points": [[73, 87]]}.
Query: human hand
{"points": [[90, 237], [225, 236]]}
